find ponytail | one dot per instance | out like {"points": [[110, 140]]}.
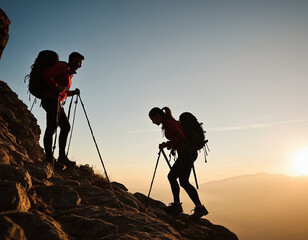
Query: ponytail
{"points": [[168, 113], [165, 112]]}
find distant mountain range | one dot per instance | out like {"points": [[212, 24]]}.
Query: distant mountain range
{"points": [[260, 206]]}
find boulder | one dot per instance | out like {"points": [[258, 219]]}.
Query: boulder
{"points": [[16, 174], [5, 157], [10, 230], [59, 196], [40, 170], [87, 228], [38, 226], [13, 197]]}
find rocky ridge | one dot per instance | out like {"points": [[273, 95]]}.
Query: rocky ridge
{"points": [[39, 203]]}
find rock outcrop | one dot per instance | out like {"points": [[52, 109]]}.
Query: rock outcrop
{"points": [[4, 30], [39, 203], [19, 132]]}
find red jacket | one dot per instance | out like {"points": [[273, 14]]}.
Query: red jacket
{"points": [[174, 132], [58, 74]]}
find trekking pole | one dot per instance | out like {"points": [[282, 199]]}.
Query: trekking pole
{"points": [[73, 123], [166, 158], [53, 148], [99, 154], [69, 108], [146, 203], [56, 135], [195, 175], [34, 102]]}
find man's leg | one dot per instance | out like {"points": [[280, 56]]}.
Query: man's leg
{"points": [[50, 106], [65, 129]]}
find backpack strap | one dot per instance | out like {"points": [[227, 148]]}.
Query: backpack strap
{"points": [[206, 150]]}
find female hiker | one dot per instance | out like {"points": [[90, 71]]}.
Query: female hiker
{"points": [[181, 169]]}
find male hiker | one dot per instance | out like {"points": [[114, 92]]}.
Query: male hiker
{"points": [[58, 79]]}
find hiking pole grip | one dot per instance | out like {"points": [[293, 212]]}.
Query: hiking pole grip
{"points": [[146, 203]]}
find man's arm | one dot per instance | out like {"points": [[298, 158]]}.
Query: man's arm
{"points": [[72, 93]]}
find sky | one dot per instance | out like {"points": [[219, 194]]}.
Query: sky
{"points": [[239, 66]]}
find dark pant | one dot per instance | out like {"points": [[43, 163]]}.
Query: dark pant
{"points": [[55, 116], [181, 169]]}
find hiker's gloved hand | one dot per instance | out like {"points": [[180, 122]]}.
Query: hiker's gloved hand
{"points": [[77, 91], [162, 145]]}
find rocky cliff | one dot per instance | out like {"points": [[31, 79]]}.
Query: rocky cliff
{"points": [[4, 30], [37, 202]]}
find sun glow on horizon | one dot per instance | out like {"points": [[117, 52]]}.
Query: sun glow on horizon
{"points": [[300, 162]]}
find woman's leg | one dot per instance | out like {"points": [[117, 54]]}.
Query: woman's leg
{"points": [[190, 189], [175, 188], [186, 159], [176, 206]]}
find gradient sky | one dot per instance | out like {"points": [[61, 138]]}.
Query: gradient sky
{"points": [[239, 66]]}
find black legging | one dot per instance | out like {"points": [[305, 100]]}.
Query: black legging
{"points": [[182, 169], [52, 107]]}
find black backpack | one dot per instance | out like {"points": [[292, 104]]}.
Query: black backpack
{"points": [[193, 131], [44, 60]]}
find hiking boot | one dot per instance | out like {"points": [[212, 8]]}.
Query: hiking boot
{"points": [[50, 160], [64, 160], [174, 208], [199, 212]]}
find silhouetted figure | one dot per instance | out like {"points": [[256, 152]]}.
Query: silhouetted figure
{"points": [[181, 169], [58, 79]]}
